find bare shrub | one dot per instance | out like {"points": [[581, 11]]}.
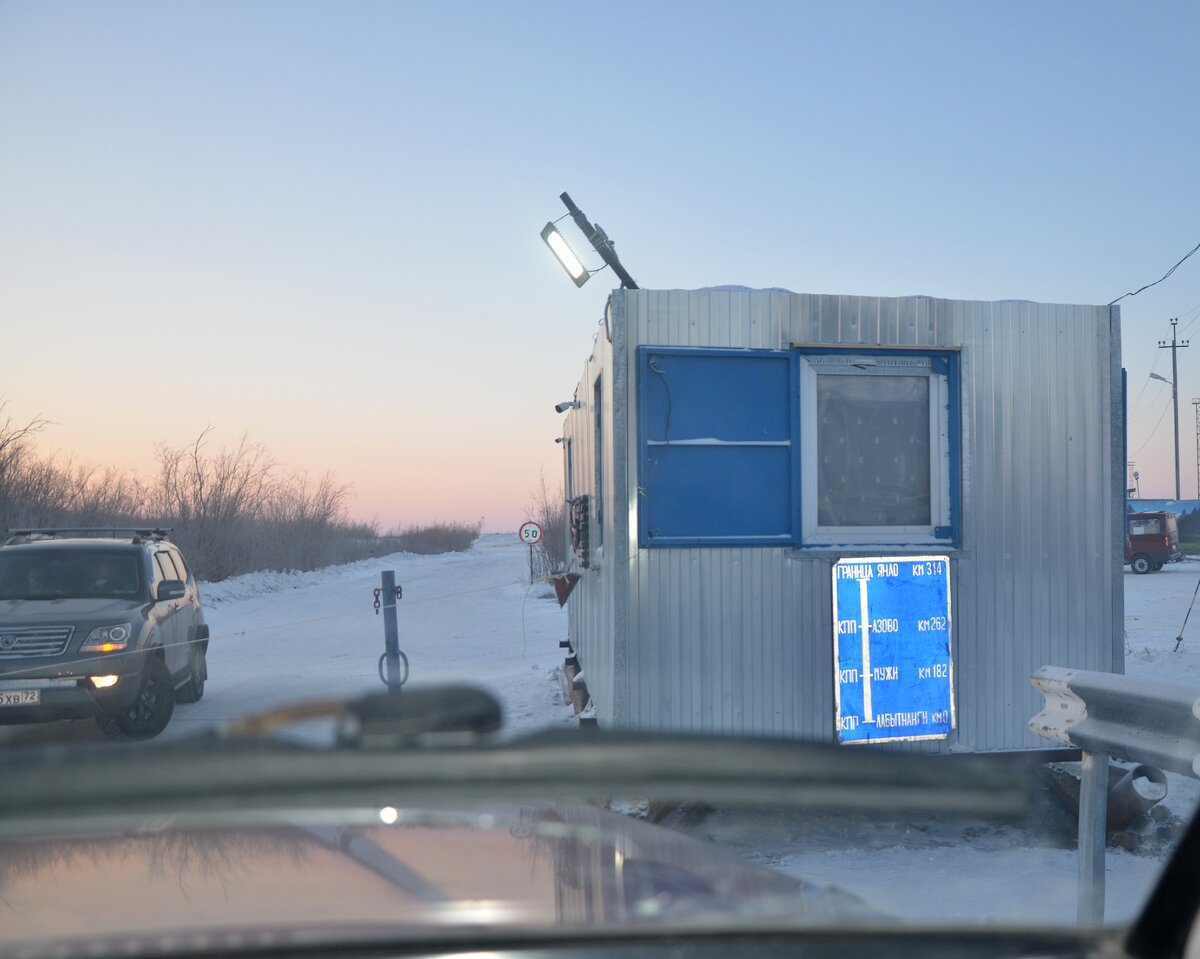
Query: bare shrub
{"points": [[215, 501], [302, 521], [15, 454], [231, 510], [40, 491], [548, 508], [434, 538]]}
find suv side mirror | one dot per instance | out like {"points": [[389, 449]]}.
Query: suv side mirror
{"points": [[170, 589]]}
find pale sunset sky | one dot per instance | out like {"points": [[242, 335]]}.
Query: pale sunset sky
{"points": [[317, 223]]}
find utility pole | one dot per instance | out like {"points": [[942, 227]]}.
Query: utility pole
{"points": [[1196, 406], [1174, 346]]}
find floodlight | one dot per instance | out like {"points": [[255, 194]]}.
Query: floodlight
{"points": [[565, 255], [595, 236]]}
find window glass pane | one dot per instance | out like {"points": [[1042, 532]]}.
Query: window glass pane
{"points": [[873, 450], [166, 570], [717, 462], [54, 574], [1145, 527]]}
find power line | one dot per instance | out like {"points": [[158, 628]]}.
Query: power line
{"points": [[1147, 412], [1149, 377], [1195, 309], [1160, 279], [1166, 406]]}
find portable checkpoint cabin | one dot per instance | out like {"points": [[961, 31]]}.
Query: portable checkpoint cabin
{"points": [[728, 447]]}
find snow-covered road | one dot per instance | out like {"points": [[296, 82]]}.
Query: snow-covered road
{"points": [[463, 618], [472, 617]]}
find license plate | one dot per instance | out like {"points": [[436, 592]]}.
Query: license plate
{"points": [[21, 697]]}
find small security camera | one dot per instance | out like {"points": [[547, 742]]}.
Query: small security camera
{"points": [[563, 407]]}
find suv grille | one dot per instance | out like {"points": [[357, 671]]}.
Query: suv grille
{"points": [[30, 641]]}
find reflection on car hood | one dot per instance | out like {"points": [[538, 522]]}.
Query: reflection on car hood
{"points": [[557, 867], [45, 611]]}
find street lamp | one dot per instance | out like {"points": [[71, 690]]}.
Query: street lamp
{"points": [[595, 236], [565, 255], [1175, 403]]}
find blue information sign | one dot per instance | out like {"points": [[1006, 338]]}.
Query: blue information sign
{"points": [[894, 678]]}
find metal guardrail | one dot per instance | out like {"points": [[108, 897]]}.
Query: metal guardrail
{"points": [[1110, 715], [1121, 716]]}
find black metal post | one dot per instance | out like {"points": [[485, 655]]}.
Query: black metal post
{"points": [[391, 631]]}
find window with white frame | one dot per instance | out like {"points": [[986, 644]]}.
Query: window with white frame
{"points": [[878, 446]]}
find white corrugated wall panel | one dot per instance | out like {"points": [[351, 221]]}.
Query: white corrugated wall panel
{"points": [[591, 613], [740, 639]]}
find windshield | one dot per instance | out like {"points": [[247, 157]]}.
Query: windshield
{"points": [[50, 574], [701, 383]]}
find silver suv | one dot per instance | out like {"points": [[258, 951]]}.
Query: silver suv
{"points": [[99, 623]]}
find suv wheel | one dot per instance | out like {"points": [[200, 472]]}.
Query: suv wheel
{"points": [[1141, 563], [151, 709], [193, 689]]}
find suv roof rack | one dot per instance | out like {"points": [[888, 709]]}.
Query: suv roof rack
{"points": [[136, 533]]}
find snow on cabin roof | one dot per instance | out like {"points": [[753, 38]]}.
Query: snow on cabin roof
{"points": [[736, 288]]}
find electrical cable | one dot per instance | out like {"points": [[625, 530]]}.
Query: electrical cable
{"points": [[524, 634], [1158, 355], [243, 633], [1153, 431], [667, 386], [1195, 309], [1159, 280], [644, 488]]}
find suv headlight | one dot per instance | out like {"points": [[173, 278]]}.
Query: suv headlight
{"points": [[107, 639]]}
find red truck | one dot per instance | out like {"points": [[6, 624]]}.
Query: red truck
{"points": [[1152, 540]]}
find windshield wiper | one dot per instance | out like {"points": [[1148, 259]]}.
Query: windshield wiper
{"points": [[436, 716], [435, 746]]}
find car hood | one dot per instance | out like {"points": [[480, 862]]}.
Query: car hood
{"points": [[30, 612], [428, 872]]}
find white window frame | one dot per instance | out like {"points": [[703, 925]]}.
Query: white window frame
{"points": [[875, 363]]}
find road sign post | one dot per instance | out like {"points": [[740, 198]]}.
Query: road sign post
{"points": [[894, 676], [530, 534]]}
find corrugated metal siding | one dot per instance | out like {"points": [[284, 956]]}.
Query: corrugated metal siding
{"points": [[591, 624], [740, 639], [1117, 444]]}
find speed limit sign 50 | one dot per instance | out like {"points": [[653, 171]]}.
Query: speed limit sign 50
{"points": [[530, 533]]}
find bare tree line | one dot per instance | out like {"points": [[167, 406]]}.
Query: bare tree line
{"points": [[231, 510]]}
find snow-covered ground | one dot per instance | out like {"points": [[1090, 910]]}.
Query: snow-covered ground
{"points": [[463, 618], [946, 870], [473, 617]]}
